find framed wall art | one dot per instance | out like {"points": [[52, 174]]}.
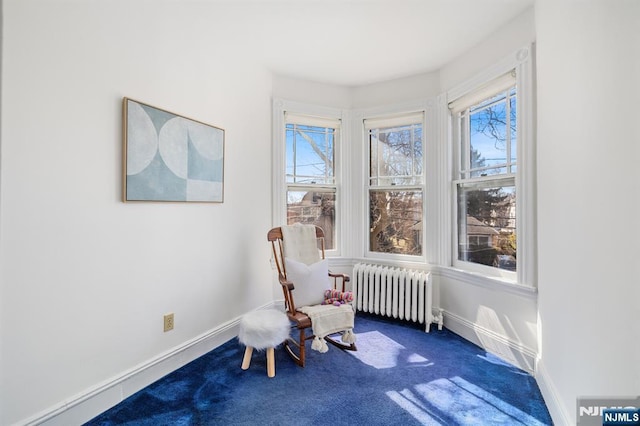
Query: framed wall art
{"points": [[168, 157]]}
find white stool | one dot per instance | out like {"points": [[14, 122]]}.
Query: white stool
{"points": [[264, 329]]}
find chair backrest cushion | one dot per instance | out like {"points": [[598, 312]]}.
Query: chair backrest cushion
{"points": [[310, 281]]}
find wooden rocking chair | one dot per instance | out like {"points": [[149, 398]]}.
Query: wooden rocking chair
{"points": [[302, 321]]}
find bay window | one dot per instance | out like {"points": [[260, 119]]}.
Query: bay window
{"points": [[467, 206]]}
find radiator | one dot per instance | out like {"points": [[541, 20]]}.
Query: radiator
{"points": [[404, 294]]}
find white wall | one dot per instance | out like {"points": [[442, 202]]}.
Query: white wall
{"points": [[396, 91], [588, 150], [501, 318], [519, 32], [309, 92], [85, 278]]}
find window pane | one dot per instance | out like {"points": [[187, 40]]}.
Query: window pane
{"points": [[316, 208], [492, 135], [395, 222], [396, 155], [487, 224], [309, 154]]}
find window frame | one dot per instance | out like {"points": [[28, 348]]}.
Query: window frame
{"points": [[317, 115], [524, 176], [387, 119]]}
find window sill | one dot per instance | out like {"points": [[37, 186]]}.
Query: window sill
{"points": [[492, 283]]}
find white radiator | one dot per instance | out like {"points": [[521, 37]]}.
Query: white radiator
{"points": [[393, 292]]}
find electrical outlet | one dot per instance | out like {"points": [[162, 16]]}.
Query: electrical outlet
{"points": [[168, 322]]}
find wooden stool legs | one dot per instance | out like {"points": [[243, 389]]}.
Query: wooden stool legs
{"points": [[271, 360], [246, 360]]}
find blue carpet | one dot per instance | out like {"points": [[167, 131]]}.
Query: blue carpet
{"points": [[400, 375]]}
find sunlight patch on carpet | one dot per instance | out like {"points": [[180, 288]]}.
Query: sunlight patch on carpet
{"points": [[460, 402], [379, 351], [412, 405], [416, 359], [501, 405]]}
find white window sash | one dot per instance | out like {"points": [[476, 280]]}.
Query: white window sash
{"points": [[311, 187], [390, 122]]}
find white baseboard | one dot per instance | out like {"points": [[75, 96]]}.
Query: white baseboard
{"points": [[88, 404], [494, 343], [557, 411]]}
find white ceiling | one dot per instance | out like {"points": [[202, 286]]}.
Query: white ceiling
{"points": [[358, 42]]}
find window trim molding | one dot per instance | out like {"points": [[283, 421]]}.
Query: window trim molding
{"points": [[438, 182], [278, 160], [526, 208], [425, 107], [522, 61]]}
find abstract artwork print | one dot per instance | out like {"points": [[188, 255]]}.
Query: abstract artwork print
{"points": [[168, 157]]}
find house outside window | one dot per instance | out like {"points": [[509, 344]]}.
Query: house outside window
{"points": [[310, 172], [395, 184]]}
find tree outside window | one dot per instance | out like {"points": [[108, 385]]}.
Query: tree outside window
{"points": [[310, 174], [395, 186], [486, 189]]}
